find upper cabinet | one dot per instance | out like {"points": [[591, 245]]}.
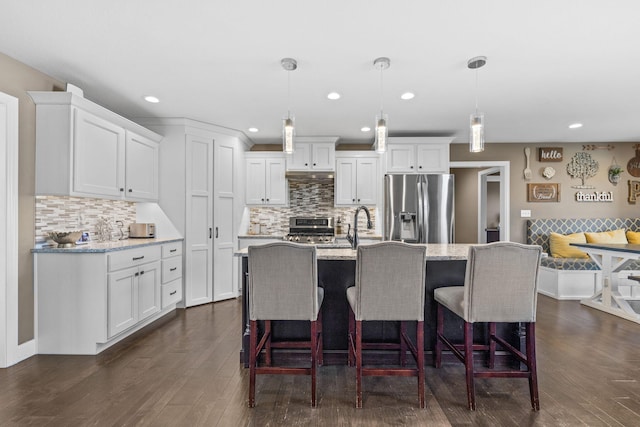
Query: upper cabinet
{"points": [[265, 181], [357, 177], [83, 149], [313, 154], [418, 155]]}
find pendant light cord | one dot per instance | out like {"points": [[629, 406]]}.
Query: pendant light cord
{"points": [[476, 91], [381, 90], [289, 94]]}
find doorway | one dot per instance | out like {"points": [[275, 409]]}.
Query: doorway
{"points": [[484, 185]]}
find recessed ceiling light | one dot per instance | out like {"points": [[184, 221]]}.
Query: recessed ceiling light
{"points": [[254, 130], [407, 95], [575, 125], [333, 96], [151, 99], [365, 129]]}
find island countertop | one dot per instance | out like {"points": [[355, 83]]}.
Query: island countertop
{"points": [[435, 252]]}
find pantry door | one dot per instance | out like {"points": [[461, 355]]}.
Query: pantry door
{"points": [[223, 242]]}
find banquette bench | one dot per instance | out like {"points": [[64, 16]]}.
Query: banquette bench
{"points": [[569, 277]]}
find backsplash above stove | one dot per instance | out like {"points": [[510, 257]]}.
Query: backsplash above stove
{"points": [[306, 198]]}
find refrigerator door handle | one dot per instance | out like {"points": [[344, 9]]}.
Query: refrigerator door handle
{"points": [[420, 211]]}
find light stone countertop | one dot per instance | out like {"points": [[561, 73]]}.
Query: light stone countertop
{"points": [[97, 247], [435, 252]]}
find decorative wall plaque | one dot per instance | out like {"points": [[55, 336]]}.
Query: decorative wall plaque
{"points": [[582, 166], [633, 166], [634, 191], [550, 154], [543, 192]]}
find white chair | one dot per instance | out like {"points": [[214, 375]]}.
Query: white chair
{"points": [[283, 285], [500, 285]]}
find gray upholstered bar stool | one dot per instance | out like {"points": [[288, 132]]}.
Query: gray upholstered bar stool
{"points": [[283, 285], [501, 286], [390, 285]]}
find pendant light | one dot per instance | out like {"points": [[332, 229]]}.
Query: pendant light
{"points": [[288, 127], [382, 130], [476, 122]]}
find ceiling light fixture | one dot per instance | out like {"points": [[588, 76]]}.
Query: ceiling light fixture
{"points": [[476, 132], [575, 125], [151, 99], [382, 131], [407, 95], [365, 129], [253, 130], [288, 127], [333, 96]]}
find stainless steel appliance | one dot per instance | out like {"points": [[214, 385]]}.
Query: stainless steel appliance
{"points": [[142, 230], [418, 208], [312, 230]]}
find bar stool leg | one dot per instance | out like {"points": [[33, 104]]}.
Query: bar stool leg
{"points": [[358, 364], [439, 333], [351, 338], [253, 342], [531, 362], [420, 361], [492, 345], [403, 343], [468, 364], [314, 360]]}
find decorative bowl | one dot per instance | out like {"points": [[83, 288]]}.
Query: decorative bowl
{"points": [[65, 239]]}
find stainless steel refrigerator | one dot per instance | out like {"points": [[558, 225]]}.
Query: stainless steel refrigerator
{"points": [[419, 208]]}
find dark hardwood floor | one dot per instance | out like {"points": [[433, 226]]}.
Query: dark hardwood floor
{"points": [[186, 372]]}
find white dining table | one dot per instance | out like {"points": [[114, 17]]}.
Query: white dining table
{"points": [[609, 257]]}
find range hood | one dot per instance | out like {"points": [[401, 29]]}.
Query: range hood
{"points": [[309, 175]]}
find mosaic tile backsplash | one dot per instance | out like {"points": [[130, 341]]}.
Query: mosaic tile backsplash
{"points": [[306, 198], [61, 213]]}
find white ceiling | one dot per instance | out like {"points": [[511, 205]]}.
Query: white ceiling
{"points": [[550, 63]]}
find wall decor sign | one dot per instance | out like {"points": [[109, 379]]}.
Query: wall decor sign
{"points": [[550, 154], [602, 196], [633, 166], [543, 192], [634, 191]]}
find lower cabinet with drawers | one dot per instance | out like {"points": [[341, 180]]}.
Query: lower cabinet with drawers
{"points": [[88, 301]]}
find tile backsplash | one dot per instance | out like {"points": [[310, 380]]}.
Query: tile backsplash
{"points": [[307, 197], [62, 213]]}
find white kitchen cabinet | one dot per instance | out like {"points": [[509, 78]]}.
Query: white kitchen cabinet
{"points": [[418, 155], [88, 301], [133, 293], [313, 154], [83, 149], [202, 193], [356, 181], [171, 289], [265, 180]]}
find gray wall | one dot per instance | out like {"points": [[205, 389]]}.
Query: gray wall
{"points": [[568, 207], [16, 79]]}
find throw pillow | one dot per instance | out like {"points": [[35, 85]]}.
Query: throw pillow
{"points": [[614, 236], [633, 237], [560, 248]]}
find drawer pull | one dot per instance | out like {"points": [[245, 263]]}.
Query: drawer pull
{"points": [[138, 258], [172, 250], [142, 272], [173, 269], [173, 293]]}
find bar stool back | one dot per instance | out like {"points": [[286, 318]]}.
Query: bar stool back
{"points": [[390, 285], [501, 285], [283, 285]]}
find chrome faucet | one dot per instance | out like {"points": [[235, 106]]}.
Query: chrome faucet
{"points": [[354, 239]]}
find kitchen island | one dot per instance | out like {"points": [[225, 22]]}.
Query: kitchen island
{"points": [[446, 264]]}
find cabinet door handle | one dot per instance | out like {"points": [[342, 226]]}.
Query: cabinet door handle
{"points": [[306, 164], [136, 275], [216, 232], [314, 164], [142, 272], [353, 200], [121, 189], [410, 167], [173, 293], [419, 167], [210, 232], [138, 258], [172, 250], [131, 190], [358, 200], [173, 269]]}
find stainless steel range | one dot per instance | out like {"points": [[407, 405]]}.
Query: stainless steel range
{"points": [[312, 230]]}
